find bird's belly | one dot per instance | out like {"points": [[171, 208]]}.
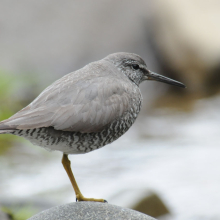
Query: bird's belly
{"points": [[76, 142]]}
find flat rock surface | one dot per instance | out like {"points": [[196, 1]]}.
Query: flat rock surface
{"points": [[89, 210]]}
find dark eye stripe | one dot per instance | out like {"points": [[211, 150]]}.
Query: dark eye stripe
{"points": [[135, 66]]}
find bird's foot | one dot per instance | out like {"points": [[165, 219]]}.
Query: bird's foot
{"points": [[80, 197]]}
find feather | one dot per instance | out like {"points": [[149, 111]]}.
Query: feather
{"points": [[86, 100]]}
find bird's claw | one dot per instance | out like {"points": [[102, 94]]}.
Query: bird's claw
{"points": [[90, 199]]}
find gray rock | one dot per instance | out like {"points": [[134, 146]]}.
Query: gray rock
{"points": [[143, 200], [89, 211]]}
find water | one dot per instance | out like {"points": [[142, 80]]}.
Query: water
{"points": [[174, 154]]}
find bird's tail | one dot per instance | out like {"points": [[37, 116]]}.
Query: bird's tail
{"points": [[6, 131], [4, 128]]}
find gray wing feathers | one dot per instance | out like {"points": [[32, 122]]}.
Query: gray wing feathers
{"points": [[80, 101]]}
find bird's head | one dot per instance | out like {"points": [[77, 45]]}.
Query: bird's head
{"points": [[136, 69]]}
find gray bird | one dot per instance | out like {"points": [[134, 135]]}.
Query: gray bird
{"points": [[86, 109]]}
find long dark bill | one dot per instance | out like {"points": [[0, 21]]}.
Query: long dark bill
{"points": [[164, 79]]}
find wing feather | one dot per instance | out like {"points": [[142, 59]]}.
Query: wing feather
{"points": [[84, 101]]}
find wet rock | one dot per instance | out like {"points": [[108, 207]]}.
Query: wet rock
{"points": [[89, 210]]}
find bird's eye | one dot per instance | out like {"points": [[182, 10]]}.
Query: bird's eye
{"points": [[135, 66]]}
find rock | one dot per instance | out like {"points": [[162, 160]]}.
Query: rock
{"points": [[143, 200], [151, 205], [89, 210]]}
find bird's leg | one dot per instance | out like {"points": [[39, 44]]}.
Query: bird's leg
{"points": [[66, 164]]}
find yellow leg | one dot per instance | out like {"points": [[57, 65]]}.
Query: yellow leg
{"points": [[66, 164]]}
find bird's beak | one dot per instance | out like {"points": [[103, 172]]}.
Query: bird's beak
{"points": [[160, 78]]}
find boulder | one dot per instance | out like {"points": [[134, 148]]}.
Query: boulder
{"points": [[89, 210]]}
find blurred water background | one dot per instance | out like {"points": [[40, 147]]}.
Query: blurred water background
{"points": [[172, 149]]}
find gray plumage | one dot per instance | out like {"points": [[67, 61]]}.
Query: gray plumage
{"points": [[85, 109]]}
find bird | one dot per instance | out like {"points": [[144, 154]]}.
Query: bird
{"points": [[85, 109]]}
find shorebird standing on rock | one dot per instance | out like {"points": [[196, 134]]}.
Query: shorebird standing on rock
{"points": [[86, 109]]}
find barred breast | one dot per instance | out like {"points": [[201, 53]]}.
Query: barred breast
{"points": [[77, 142]]}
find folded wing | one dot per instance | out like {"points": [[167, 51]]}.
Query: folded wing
{"points": [[80, 101]]}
